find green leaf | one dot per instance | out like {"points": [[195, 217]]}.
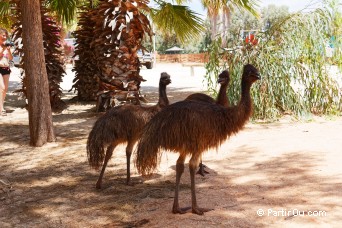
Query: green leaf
{"points": [[177, 19]]}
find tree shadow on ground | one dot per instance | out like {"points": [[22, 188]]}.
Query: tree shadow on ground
{"points": [[53, 186], [289, 181], [19, 133], [57, 189]]}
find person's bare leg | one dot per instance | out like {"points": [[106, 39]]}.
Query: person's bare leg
{"points": [[5, 81], [2, 90], [1, 102]]}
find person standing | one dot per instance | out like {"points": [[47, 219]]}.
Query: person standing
{"points": [[5, 58]]}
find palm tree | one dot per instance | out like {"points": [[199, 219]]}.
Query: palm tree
{"points": [[85, 67], [115, 40], [40, 116], [39, 109], [52, 47], [219, 13], [168, 17], [53, 52]]}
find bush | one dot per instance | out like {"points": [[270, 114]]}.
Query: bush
{"points": [[291, 57]]}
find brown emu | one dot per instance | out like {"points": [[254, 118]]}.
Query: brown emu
{"points": [[221, 99], [119, 125], [190, 128]]}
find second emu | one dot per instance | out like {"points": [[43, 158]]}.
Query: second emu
{"points": [[190, 128], [119, 125], [221, 98]]}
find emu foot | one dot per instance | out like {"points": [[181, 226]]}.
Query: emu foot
{"points": [[134, 181], [177, 210], [129, 183], [200, 211], [98, 184], [201, 171]]}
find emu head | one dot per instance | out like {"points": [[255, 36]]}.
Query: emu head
{"points": [[165, 78], [224, 78], [250, 74]]}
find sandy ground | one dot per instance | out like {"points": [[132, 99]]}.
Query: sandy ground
{"points": [[288, 170]]}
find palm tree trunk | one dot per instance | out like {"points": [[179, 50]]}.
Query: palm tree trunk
{"points": [[213, 26], [40, 115]]}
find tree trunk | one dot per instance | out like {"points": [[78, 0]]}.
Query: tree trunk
{"points": [[213, 25], [40, 115]]}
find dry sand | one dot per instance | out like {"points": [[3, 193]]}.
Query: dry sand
{"points": [[289, 169]]}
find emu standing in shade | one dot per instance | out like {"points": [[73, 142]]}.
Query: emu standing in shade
{"points": [[119, 125], [190, 128]]}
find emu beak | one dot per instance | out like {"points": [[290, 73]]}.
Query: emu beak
{"points": [[167, 81], [220, 80], [258, 76]]}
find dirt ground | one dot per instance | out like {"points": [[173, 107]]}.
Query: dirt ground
{"points": [[289, 170]]}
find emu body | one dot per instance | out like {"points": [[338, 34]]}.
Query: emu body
{"points": [[190, 128], [120, 125]]}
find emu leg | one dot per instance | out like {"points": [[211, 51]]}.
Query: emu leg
{"points": [[129, 149], [179, 171], [109, 154], [201, 171], [193, 164]]}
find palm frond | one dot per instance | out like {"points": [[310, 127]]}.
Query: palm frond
{"points": [[177, 19], [5, 12], [64, 9], [249, 5], [214, 6], [180, 2], [4, 8]]}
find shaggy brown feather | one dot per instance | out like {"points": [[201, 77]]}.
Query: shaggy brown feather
{"points": [[190, 128], [119, 125]]}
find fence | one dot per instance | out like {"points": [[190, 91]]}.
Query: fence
{"points": [[182, 58]]}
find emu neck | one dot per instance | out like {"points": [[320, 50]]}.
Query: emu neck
{"points": [[241, 112], [245, 103], [163, 100], [222, 98]]}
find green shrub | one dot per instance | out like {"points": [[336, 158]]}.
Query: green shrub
{"points": [[291, 57]]}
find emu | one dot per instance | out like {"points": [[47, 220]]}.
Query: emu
{"points": [[221, 99], [190, 128], [119, 125]]}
